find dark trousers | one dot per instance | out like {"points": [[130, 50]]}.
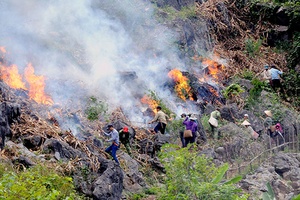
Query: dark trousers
{"points": [[277, 84], [160, 127], [112, 150], [181, 138], [189, 140]]}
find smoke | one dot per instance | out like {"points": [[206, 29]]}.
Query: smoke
{"points": [[111, 49]]}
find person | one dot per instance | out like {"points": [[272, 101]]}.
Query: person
{"points": [[250, 130], [246, 117], [183, 116], [190, 124], [266, 75], [124, 136], [112, 149], [275, 78], [213, 122], [162, 119], [268, 122]]}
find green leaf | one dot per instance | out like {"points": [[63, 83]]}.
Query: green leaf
{"points": [[234, 180], [221, 174]]}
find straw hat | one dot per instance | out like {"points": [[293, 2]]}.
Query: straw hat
{"points": [[246, 123], [268, 113]]}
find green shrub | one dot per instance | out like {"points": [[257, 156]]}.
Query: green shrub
{"points": [[204, 121], [254, 93], [232, 90], [247, 74], [190, 176], [95, 108], [35, 183], [252, 47]]}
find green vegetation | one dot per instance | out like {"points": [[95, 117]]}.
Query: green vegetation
{"points": [[189, 176], [247, 74], [254, 93], [174, 126], [252, 47], [95, 108], [269, 195], [38, 182], [187, 12], [232, 91]]}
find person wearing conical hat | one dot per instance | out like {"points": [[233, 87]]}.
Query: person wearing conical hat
{"points": [[249, 129]]}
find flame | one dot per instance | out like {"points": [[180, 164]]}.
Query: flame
{"points": [[213, 67], [151, 102], [11, 77], [36, 86], [182, 86]]}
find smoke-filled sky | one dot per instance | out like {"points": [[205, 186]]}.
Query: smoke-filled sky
{"points": [[82, 47]]}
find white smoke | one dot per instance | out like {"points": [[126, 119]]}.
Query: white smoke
{"points": [[82, 47]]}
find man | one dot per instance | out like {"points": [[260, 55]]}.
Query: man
{"points": [[161, 118], [275, 77], [112, 149], [190, 124], [124, 136], [213, 122]]}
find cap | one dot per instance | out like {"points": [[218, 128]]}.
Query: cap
{"points": [[246, 115], [268, 113], [246, 123], [125, 129], [266, 66]]}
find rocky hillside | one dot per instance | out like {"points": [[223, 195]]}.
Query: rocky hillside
{"points": [[223, 46]]}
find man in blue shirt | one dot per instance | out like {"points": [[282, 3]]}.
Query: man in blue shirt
{"points": [[275, 77], [115, 144]]}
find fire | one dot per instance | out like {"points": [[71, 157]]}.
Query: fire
{"points": [[182, 87], [151, 102], [11, 77], [36, 86], [213, 67]]}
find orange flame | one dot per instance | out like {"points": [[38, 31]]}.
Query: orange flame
{"points": [[11, 77], [182, 87], [151, 102], [213, 67], [36, 86]]}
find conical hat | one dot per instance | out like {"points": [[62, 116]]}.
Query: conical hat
{"points": [[268, 112], [246, 123]]}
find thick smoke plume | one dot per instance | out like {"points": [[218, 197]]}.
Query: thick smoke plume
{"points": [[114, 50]]}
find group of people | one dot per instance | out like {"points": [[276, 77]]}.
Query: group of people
{"points": [[188, 133], [272, 76]]}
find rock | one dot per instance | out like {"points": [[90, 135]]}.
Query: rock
{"points": [[285, 162], [65, 151], [209, 153], [133, 180], [109, 185], [147, 147], [160, 140], [33, 142], [26, 162]]}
